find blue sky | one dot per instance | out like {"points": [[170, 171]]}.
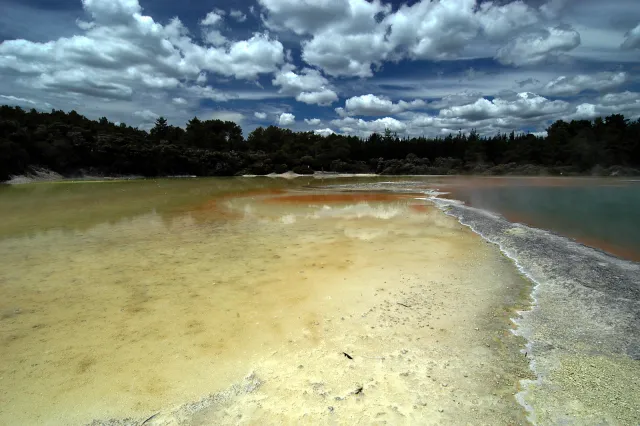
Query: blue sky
{"points": [[345, 66]]}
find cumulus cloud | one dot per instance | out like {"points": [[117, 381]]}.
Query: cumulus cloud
{"points": [[350, 37], [442, 29], [121, 62], [123, 51], [323, 97], [238, 15], [346, 35], [612, 103], [526, 105], [511, 111], [146, 116], [373, 105], [539, 46], [286, 119], [632, 39], [308, 86], [573, 85], [363, 127], [618, 99], [324, 132], [455, 99], [234, 116], [212, 19], [312, 121], [214, 37], [207, 92]]}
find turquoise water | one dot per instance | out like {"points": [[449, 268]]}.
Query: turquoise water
{"points": [[600, 213]]}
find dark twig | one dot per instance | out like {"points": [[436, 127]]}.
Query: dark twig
{"points": [[141, 424], [402, 304], [347, 355]]}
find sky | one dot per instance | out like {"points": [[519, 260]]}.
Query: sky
{"points": [[417, 67]]}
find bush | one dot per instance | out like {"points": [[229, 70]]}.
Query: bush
{"points": [[303, 170]]}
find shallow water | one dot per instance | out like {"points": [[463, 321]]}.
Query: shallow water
{"points": [[225, 301], [237, 301]]}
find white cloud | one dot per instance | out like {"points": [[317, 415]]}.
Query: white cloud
{"points": [[526, 105], [324, 132], [539, 46], [115, 61], [346, 37], [212, 18], [207, 92], [360, 126], [244, 59], [124, 54], [116, 11], [214, 37], [323, 98], [632, 39], [238, 15], [617, 99], [627, 103], [236, 117], [146, 116], [202, 78], [303, 17], [349, 37], [442, 29], [565, 86], [14, 100], [373, 105], [309, 86], [541, 134], [514, 112], [455, 99], [286, 119], [498, 22], [312, 121]]}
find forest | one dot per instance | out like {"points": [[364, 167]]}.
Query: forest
{"points": [[73, 145]]}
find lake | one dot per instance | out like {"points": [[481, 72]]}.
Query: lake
{"points": [[346, 300]]}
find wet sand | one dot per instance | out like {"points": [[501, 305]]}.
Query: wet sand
{"points": [[242, 310]]}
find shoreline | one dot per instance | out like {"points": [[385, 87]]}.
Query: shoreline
{"points": [[569, 375], [516, 320], [47, 176]]}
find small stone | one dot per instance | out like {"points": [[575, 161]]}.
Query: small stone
{"points": [[441, 410], [331, 409]]}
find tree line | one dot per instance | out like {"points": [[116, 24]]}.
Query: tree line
{"points": [[71, 144]]}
